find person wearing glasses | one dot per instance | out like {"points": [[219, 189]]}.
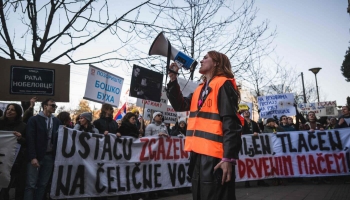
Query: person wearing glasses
{"points": [[41, 136], [214, 128], [285, 125], [157, 127]]}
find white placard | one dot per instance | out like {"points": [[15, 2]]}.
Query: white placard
{"points": [[187, 86], [169, 115], [8, 153], [327, 108], [103, 87], [276, 105]]}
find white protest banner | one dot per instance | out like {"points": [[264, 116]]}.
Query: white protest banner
{"points": [[327, 108], [103, 87], [294, 154], [276, 105], [8, 152], [153, 105], [94, 165], [170, 115], [3, 107], [187, 86]]}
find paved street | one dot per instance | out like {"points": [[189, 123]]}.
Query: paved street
{"points": [[337, 190]]}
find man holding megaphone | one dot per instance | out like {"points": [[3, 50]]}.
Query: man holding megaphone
{"points": [[214, 129]]}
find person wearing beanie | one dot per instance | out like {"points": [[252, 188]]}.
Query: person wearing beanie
{"points": [[157, 127], [85, 123], [272, 127], [180, 129]]}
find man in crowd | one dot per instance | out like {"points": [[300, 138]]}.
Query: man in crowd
{"points": [[344, 120], [285, 125], [312, 124], [140, 123], [251, 127], [332, 123], [291, 123], [272, 127], [41, 145], [157, 126]]}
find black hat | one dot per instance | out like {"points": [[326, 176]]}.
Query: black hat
{"points": [[270, 120]]}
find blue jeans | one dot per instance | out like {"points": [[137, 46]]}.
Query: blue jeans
{"points": [[37, 178]]}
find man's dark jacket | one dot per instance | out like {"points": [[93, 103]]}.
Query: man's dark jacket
{"points": [[36, 136]]}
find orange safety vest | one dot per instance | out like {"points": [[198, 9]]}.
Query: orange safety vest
{"points": [[204, 128]]}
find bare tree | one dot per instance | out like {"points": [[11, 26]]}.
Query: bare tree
{"points": [[197, 26], [44, 26]]}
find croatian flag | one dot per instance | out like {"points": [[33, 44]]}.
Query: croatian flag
{"points": [[121, 112]]}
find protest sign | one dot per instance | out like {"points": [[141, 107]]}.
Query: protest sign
{"points": [[146, 84], [91, 165], [153, 105], [8, 152], [276, 105], [103, 87], [187, 86], [326, 108], [3, 107], [169, 115], [294, 154]]}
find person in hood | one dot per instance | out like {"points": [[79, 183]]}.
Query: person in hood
{"points": [[41, 137], [85, 123], [157, 127], [106, 124]]}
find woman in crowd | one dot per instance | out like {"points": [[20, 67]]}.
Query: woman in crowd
{"points": [[85, 123], [65, 119], [106, 124], [128, 126], [214, 129], [180, 130], [12, 121]]}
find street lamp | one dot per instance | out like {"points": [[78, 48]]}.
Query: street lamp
{"points": [[315, 71]]}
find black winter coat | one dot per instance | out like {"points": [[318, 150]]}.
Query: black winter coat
{"points": [[129, 129], [106, 124]]}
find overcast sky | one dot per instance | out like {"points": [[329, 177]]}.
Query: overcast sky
{"points": [[309, 34]]}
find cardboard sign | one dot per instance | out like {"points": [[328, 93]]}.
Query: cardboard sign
{"points": [[169, 115], [146, 84], [327, 108], [276, 105], [103, 87]]}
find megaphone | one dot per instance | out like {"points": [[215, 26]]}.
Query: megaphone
{"points": [[160, 46]]}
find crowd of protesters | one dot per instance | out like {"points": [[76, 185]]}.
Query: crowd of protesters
{"points": [[32, 170]]}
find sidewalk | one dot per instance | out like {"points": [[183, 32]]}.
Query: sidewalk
{"points": [[337, 190]]}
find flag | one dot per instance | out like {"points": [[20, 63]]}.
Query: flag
{"points": [[121, 112]]}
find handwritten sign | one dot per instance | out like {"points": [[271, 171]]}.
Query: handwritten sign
{"points": [[327, 108], [276, 105]]}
